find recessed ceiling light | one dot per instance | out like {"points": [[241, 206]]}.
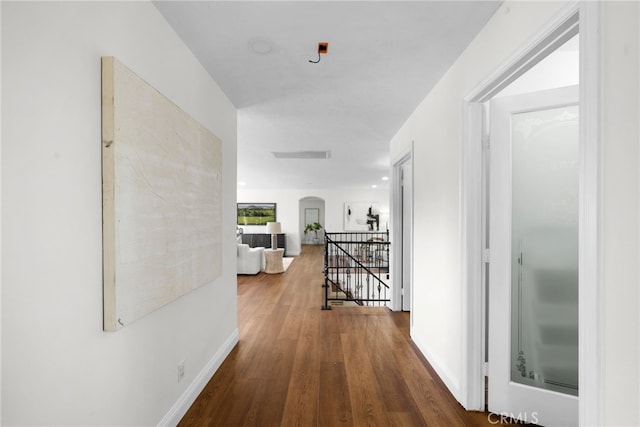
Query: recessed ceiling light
{"points": [[260, 46], [374, 186], [385, 178], [242, 183]]}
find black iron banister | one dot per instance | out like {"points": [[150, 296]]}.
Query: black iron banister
{"points": [[364, 267], [353, 263]]}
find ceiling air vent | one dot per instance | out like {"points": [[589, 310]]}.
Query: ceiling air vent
{"points": [[301, 154]]}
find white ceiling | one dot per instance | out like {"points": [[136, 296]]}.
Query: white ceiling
{"points": [[384, 57]]}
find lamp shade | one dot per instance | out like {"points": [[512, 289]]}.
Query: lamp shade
{"points": [[274, 228]]}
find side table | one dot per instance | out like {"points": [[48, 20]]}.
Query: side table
{"points": [[273, 261]]}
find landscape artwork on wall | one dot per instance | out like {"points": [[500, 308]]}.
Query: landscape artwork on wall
{"points": [[256, 213], [162, 199]]}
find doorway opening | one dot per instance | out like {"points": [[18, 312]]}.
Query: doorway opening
{"points": [[402, 205], [311, 220]]}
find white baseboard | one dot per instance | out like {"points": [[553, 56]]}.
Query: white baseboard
{"points": [[177, 411], [438, 366]]}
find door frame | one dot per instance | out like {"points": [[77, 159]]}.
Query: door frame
{"points": [[406, 170], [403, 157], [586, 17]]}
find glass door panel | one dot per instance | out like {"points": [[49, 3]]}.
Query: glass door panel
{"points": [[544, 249]]}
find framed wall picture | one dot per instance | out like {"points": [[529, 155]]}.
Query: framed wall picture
{"points": [[311, 215], [256, 213], [361, 216]]}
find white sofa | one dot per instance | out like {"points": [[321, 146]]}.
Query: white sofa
{"points": [[250, 260]]}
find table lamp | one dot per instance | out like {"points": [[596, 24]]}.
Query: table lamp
{"points": [[274, 228]]}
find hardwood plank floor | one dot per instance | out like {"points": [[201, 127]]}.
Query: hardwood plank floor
{"points": [[297, 365]]}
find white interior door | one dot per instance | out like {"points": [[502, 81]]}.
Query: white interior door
{"points": [[407, 234], [533, 279]]}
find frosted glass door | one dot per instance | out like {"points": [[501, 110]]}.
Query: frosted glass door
{"points": [[544, 249], [533, 282]]}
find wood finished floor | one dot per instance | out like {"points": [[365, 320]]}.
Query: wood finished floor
{"points": [[296, 365]]}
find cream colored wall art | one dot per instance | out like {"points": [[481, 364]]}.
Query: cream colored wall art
{"points": [[162, 199]]}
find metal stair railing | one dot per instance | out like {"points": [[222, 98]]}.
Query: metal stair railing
{"points": [[356, 268]]}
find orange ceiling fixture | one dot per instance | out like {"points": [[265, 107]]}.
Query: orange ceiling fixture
{"points": [[323, 49]]}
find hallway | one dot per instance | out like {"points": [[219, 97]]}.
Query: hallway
{"points": [[298, 365]]}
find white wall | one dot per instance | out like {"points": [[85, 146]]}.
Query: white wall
{"points": [[561, 68], [58, 366], [288, 211], [620, 185], [0, 223], [436, 128]]}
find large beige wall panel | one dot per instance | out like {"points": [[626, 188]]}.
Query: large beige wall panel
{"points": [[58, 366]]}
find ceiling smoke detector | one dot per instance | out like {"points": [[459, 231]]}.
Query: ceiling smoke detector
{"points": [[260, 46]]}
